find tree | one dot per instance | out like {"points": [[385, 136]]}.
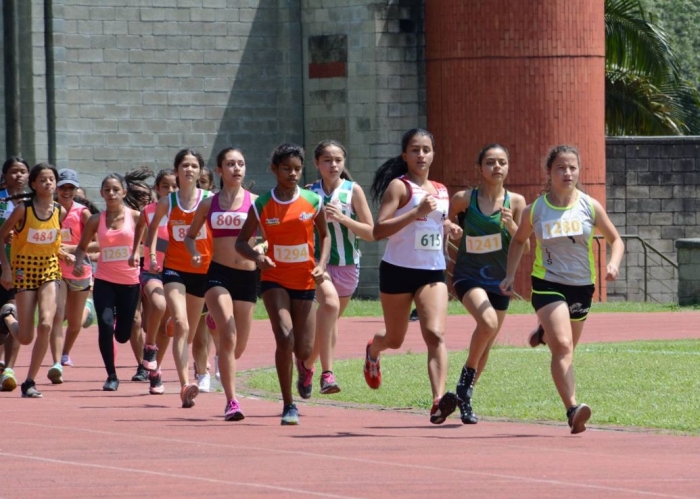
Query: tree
{"points": [[645, 93]]}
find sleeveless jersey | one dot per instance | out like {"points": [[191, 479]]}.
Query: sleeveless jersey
{"points": [[344, 248], [227, 223], [35, 248], [6, 209], [161, 236], [564, 250], [115, 250], [71, 233], [483, 251], [179, 220], [288, 227], [419, 244]]}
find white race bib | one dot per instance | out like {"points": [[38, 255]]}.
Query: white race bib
{"points": [[227, 220], [66, 235], [180, 231], [484, 244], [428, 240], [42, 236], [115, 253], [292, 254], [561, 228]]}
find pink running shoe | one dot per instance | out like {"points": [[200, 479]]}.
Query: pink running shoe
{"points": [[210, 322], [233, 411], [328, 383], [66, 360], [156, 381], [188, 394], [149, 357]]}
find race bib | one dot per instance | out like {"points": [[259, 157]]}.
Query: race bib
{"points": [[292, 254], [115, 253], [428, 240], [42, 236], [484, 244], [561, 228], [180, 231], [66, 235], [227, 220]]}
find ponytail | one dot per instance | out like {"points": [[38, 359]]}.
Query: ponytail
{"points": [[391, 169]]}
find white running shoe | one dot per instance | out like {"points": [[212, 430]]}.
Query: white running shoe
{"points": [[204, 382]]}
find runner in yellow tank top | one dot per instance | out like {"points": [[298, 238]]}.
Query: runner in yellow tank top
{"points": [[287, 216], [37, 226]]}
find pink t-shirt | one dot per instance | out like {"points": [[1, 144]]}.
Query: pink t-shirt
{"points": [[71, 232]]}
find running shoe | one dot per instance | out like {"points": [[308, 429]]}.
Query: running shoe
{"points": [[578, 415], [204, 382], [8, 380], [537, 337], [2, 367], [290, 415], [156, 381], [141, 374], [467, 413], [66, 360], [210, 322], [328, 383], [90, 317], [373, 371], [442, 409], [233, 411], [413, 317], [112, 384], [55, 374], [29, 390], [149, 357], [170, 327], [305, 380], [188, 394]]}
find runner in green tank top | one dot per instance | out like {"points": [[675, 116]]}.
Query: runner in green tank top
{"points": [[349, 217], [491, 216]]}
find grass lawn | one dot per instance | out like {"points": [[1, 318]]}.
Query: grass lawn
{"points": [[650, 384]]}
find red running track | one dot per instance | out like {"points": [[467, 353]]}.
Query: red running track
{"points": [[80, 442]]}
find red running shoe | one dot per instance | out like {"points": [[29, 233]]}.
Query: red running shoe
{"points": [[373, 372]]}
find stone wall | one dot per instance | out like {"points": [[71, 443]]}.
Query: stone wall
{"points": [[653, 185]]}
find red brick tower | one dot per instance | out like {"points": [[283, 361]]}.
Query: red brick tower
{"points": [[529, 75]]}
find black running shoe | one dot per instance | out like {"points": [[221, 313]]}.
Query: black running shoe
{"points": [[414, 315], [442, 409], [29, 390], [467, 413], [537, 337], [141, 374], [112, 383], [578, 415]]}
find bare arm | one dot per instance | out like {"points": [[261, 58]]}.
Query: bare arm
{"points": [[395, 196], [325, 243], [606, 227], [89, 232], [458, 204], [200, 217], [161, 211], [16, 217], [512, 221], [243, 247], [138, 236], [515, 251]]}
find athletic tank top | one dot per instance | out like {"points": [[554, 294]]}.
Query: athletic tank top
{"points": [[179, 220], [6, 209], [35, 247], [227, 223], [288, 227], [71, 233], [419, 244], [483, 251], [115, 250], [344, 247], [161, 236], [564, 249]]}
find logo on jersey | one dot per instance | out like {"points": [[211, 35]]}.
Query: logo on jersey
{"points": [[306, 216], [272, 221]]}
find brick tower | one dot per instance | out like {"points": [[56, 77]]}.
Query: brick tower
{"points": [[529, 75]]}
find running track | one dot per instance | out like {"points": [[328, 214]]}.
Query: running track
{"points": [[79, 442]]}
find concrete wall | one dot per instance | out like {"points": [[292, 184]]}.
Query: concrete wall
{"points": [[653, 187]]}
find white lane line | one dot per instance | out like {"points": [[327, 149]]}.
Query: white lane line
{"points": [[178, 476], [364, 461]]}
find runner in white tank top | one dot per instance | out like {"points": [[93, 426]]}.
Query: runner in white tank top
{"points": [[413, 215]]}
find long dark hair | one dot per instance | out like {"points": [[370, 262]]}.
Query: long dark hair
{"points": [[396, 166], [33, 175]]}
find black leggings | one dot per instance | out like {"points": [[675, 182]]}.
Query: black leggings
{"points": [[114, 303]]}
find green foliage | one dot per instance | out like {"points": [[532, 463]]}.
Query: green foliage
{"points": [[638, 384], [645, 92]]}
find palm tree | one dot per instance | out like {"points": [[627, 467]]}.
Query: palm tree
{"points": [[644, 91]]}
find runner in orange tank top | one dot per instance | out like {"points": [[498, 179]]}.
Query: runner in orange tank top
{"points": [[287, 217], [184, 277]]}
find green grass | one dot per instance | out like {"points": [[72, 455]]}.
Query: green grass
{"points": [[650, 384], [372, 308]]}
